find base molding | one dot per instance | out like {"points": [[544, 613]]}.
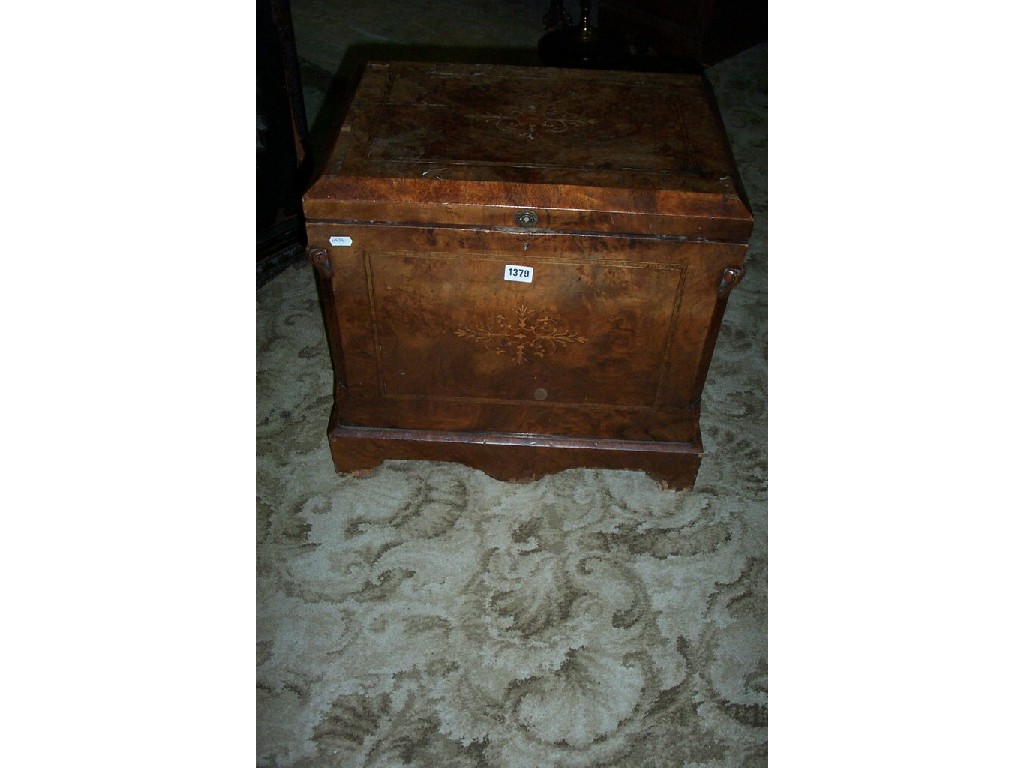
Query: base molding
{"points": [[514, 457]]}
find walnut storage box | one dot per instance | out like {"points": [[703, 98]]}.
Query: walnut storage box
{"points": [[525, 269]]}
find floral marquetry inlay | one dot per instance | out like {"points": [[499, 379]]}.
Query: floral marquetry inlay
{"points": [[527, 122], [524, 335]]}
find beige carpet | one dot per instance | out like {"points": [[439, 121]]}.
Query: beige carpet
{"points": [[428, 615]]}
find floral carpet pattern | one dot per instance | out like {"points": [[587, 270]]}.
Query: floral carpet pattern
{"points": [[427, 615]]}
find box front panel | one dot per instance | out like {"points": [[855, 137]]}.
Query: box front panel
{"points": [[470, 326], [554, 334]]}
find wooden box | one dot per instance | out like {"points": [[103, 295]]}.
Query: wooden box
{"points": [[525, 269]]}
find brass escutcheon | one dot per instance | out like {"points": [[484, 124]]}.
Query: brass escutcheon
{"points": [[527, 218]]}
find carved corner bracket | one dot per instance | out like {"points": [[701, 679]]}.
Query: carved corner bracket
{"points": [[731, 277], [319, 259]]}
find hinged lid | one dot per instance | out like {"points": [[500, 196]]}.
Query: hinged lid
{"points": [[585, 151]]}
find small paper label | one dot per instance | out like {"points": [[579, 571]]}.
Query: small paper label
{"points": [[518, 273], [341, 240]]}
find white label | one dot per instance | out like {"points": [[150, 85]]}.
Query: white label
{"points": [[519, 274], [341, 240]]}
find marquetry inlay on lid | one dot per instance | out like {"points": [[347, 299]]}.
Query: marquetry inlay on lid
{"points": [[555, 139]]}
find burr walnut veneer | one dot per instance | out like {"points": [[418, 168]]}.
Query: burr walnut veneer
{"points": [[525, 270]]}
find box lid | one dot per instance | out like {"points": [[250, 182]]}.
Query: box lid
{"points": [[571, 150]]}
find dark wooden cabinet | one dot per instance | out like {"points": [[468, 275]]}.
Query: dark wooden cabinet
{"points": [[525, 269], [281, 139]]}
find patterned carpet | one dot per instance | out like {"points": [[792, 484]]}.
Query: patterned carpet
{"points": [[427, 615]]}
